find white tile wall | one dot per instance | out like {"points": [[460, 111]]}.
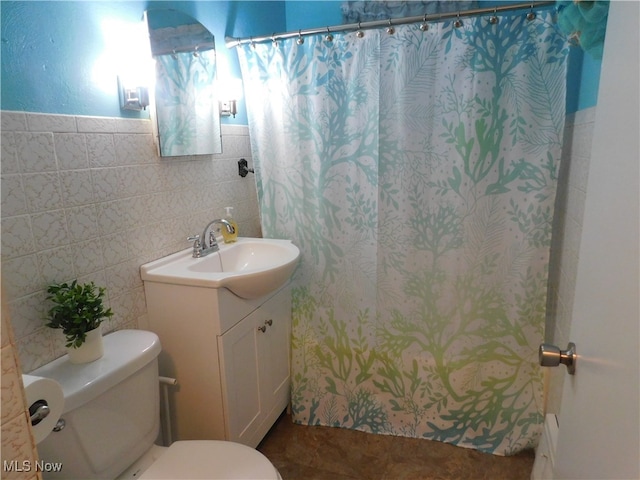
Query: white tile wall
{"points": [[565, 247], [17, 443], [88, 198]]}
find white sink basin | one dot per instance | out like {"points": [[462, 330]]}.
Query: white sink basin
{"points": [[250, 267]]}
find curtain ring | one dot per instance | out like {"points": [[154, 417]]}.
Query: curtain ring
{"points": [[359, 33], [274, 42], [300, 40], [531, 15], [328, 37], [458, 22], [390, 29], [493, 19], [253, 44], [424, 26]]}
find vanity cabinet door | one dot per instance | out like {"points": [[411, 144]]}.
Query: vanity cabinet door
{"points": [[239, 365], [273, 350], [254, 363]]}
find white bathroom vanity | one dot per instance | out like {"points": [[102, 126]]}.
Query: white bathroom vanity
{"points": [[224, 322], [229, 355]]}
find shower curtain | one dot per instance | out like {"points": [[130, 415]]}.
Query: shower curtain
{"points": [[186, 108], [416, 172]]}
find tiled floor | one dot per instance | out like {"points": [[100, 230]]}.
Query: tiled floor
{"points": [[319, 453]]}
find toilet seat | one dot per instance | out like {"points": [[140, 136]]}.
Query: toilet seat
{"points": [[211, 459]]}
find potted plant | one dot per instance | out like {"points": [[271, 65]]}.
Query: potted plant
{"points": [[78, 310]]}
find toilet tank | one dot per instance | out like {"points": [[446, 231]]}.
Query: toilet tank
{"points": [[111, 411]]}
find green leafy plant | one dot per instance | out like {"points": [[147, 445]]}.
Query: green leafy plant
{"points": [[77, 309]]}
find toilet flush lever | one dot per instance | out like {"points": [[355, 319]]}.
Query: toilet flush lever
{"points": [[38, 411], [552, 356]]}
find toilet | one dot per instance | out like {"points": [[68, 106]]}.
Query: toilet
{"points": [[111, 419]]}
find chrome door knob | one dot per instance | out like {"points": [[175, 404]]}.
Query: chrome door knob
{"points": [[552, 356]]}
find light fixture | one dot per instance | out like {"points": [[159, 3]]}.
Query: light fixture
{"points": [[231, 90], [132, 96], [228, 108]]}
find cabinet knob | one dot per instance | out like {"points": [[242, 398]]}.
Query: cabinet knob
{"points": [[267, 323]]}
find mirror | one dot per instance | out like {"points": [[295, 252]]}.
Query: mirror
{"points": [[187, 115]]}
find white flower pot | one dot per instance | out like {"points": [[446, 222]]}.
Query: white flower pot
{"points": [[92, 348]]}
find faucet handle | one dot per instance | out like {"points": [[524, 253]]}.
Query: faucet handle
{"points": [[212, 239], [197, 247]]}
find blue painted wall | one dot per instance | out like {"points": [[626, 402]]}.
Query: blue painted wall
{"points": [[583, 80], [51, 52], [303, 14]]}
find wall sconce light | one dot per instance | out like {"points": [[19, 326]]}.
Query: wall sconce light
{"points": [[228, 108], [132, 97], [230, 88]]}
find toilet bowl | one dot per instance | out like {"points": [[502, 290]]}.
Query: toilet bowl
{"points": [[201, 459], [111, 419]]}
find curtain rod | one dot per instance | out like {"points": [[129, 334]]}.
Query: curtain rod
{"points": [[235, 42], [203, 47]]}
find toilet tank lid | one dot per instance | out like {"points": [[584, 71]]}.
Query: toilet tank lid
{"points": [[125, 352]]}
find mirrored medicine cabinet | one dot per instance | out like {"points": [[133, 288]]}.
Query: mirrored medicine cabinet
{"points": [[186, 117]]}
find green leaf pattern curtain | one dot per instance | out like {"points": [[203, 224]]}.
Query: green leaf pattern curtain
{"points": [[417, 174]]}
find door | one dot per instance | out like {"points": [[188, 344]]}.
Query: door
{"points": [[239, 363], [599, 416], [254, 358], [273, 348]]}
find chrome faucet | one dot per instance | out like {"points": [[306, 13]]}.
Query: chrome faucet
{"points": [[203, 246]]}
